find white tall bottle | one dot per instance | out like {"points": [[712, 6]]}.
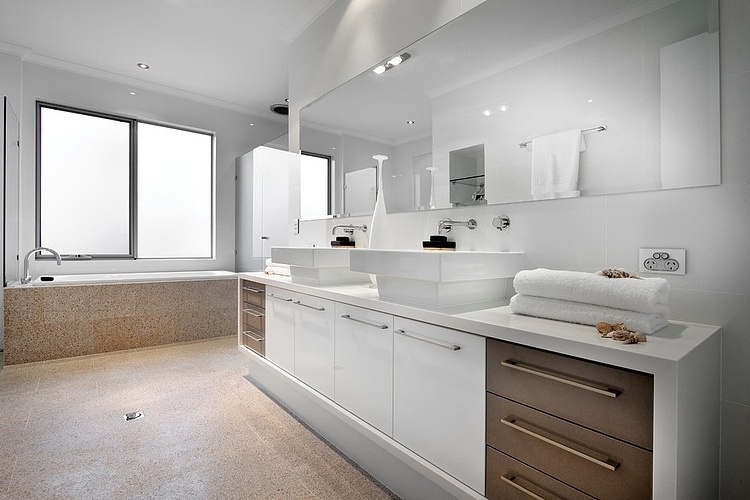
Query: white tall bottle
{"points": [[378, 230]]}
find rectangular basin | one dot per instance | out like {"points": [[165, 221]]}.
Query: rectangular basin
{"points": [[436, 278], [318, 266]]}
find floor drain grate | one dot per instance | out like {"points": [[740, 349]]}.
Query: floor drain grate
{"points": [[133, 415]]}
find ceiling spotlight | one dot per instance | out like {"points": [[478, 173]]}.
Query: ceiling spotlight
{"points": [[410, 122], [503, 108], [143, 65], [392, 62], [132, 93], [486, 112]]}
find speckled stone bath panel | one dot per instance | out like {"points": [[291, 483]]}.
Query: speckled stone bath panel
{"points": [[52, 322]]}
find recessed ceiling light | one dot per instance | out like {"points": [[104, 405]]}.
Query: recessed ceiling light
{"points": [[503, 108], [486, 112], [410, 122], [252, 124], [392, 62], [132, 93], [143, 65]]}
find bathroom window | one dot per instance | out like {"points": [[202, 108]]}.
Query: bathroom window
{"points": [[315, 182], [115, 187]]}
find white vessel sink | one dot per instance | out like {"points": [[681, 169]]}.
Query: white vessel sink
{"points": [[438, 278], [318, 266]]}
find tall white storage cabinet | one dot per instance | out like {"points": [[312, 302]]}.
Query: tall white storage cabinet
{"points": [[262, 218]]}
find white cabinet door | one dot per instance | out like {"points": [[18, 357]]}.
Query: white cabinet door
{"points": [[313, 342], [439, 397], [280, 328], [364, 365]]}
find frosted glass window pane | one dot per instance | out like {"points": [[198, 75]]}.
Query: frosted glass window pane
{"points": [[84, 183], [175, 184], [313, 187]]}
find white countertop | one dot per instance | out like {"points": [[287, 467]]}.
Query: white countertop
{"points": [[663, 349]]}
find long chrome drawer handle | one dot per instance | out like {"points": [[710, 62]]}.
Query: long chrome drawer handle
{"points": [[444, 345], [309, 306], [253, 313], [561, 442], [279, 298], [365, 322], [253, 290], [514, 481], [559, 377], [253, 337]]}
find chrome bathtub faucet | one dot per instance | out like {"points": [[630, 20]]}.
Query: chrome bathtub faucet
{"points": [[26, 271]]}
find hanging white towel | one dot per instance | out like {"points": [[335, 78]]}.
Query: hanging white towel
{"points": [[554, 165]]}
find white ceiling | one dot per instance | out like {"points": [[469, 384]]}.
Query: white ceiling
{"points": [[233, 53]]}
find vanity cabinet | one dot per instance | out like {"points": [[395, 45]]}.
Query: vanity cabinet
{"points": [[364, 364], [587, 425], [313, 342], [280, 328], [438, 397], [299, 337], [253, 316]]}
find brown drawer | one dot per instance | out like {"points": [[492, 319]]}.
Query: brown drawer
{"points": [[253, 293], [594, 463], [615, 401], [253, 318], [254, 341], [509, 479]]}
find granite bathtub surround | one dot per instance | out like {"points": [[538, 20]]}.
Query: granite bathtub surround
{"points": [[51, 322]]}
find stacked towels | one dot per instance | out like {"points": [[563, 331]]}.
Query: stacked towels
{"points": [[276, 268], [586, 298]]}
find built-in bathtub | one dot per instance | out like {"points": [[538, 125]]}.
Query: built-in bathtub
{"points": [[78, 279], [78, 315]]}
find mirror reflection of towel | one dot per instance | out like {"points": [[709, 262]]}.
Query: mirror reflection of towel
{"points": [[554, 164]]}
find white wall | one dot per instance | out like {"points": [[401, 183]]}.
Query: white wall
{"points": [[234, 137], [593, 232]]}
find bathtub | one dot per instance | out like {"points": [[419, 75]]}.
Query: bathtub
{"points": [[77, 315], [81, 279]]}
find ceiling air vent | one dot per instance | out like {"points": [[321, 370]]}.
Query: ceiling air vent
{"points": [[280, 109]]}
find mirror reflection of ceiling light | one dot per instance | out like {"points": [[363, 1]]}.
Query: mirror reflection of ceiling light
{"points": [[391, 63], [503, 108], [143, 65]]}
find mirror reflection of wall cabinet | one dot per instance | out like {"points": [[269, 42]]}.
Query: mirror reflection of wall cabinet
{"points": [[467, 176], [501, 75], [360, 189]]}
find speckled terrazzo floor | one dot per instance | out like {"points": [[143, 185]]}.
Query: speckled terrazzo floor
{"points": [[207, 433]]}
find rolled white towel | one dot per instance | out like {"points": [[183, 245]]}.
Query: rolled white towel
{"points": [[586, 314], [648, 295]]}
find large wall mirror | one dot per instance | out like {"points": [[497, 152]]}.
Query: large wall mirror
{"points": [[460, 117]]}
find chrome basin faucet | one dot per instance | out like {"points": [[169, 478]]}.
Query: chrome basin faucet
{"points": [[445, 225], [26, 272]]}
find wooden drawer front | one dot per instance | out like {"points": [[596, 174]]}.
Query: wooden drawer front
{"points": [[253, 319], [599, 465], [509, 479], [615, 401], [254, 341], [253, 294]]}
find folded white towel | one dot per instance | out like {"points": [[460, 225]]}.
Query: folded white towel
{"points": [[586, 314], [280, 270], [648, 295], [276, 268], [554, 164]]}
